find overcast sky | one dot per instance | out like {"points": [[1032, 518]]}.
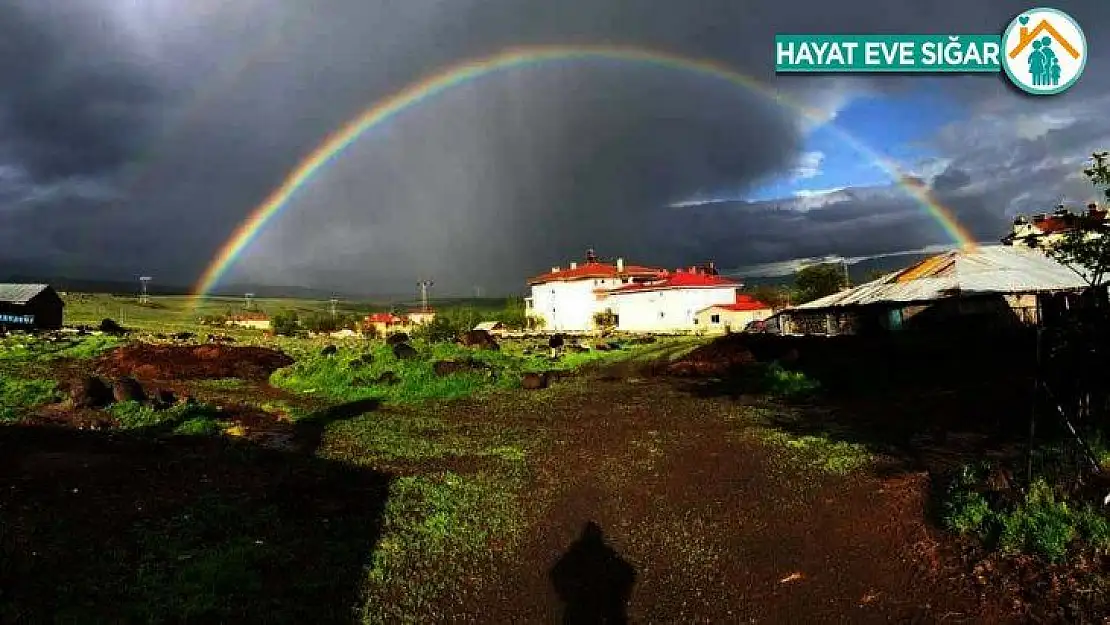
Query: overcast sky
{"points": [[135, 135]]}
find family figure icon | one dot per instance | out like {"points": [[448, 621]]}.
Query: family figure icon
{"points": [[1043, 64]]}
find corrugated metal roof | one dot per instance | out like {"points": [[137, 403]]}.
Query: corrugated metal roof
{"points": [[993, 269], [20, 293]]}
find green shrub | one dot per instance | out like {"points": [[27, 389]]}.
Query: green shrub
{"points": [[285, 323], [18, 396], [772, 379], [1041, 523]]}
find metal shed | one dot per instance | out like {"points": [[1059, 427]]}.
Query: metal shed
{"points": [[30, 306]]}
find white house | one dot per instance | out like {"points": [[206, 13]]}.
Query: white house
{"points": [[566, 299], [672, 303], [643, 299]]}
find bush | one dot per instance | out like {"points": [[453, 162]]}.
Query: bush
{"points": [[1041, 523], [285, 323]]}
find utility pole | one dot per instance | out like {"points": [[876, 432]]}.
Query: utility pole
{"points": [[143, 297], [847, 278], [334, 301], [424, 284], [247, 300]]}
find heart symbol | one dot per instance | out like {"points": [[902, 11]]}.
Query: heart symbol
{"points": [[1024, 19]]}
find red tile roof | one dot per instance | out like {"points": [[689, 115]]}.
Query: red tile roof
{"points": [[681, 280], [743, 303], [596, 269], [383, 318]]}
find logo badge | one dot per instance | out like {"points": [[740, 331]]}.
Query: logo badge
{"points": [[1044, 51]]}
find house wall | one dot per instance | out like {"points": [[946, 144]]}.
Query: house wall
{"points": [[666, 310], [727, 320], [45, 311], [570, 306]]}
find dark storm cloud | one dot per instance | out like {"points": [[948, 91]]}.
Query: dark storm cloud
{"points": [[193, 113]]}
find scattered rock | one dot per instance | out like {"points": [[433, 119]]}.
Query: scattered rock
{"points": [[479, 338], [404, 351], [387, 378], [329, 350], [534, 381], [184, 362], [109, 326], [164, 398], [615, 346], [556, 341], [397, 339], [449, 367], [90, 392], [128, 388], [184, 336]]}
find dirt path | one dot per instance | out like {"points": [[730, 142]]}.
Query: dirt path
{"points": [[719, 526]]}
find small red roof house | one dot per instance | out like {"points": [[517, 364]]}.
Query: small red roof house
{"points": [[1045, 229], [256, 320], [725, 318]]}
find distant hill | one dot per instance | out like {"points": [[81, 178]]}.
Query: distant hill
{"points": [[858, 272]]}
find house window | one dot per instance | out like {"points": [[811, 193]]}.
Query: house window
{"points": [[715, 319]]}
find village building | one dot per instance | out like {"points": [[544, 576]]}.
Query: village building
{"points": [[385, 323], [256, 321], [734, 317], [30, 307], [490, 326], [422, 316], [1043, 230], [594, 295], [671, 304], [567, 299], [988, 288]]}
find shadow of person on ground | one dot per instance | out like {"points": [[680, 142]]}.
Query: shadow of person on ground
{"points": [[309, 432], [593, 582]]}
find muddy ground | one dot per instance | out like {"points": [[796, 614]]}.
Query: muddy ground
{"points": [[699, 519]]}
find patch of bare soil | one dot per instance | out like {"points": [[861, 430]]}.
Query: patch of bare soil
{"points": [[183, 362], [716, 526]]}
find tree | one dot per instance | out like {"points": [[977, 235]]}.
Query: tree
{"points": [[1085, 248], [605, 319], [817, 281], [775, 296], [285, 323]]}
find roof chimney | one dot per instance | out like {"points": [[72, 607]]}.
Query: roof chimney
{"points": [[591, 257], [555, 269], [620, 265], [573, 265]]}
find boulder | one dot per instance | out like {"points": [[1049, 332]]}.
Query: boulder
{"points": [[556, 341], [184, 336], [404, 351], [387, 378], [164, 398], [478, 338], [444, 368], [128, 388], [533, 381], [397, 339], [90, 392], [329, 350], [109, 326]]}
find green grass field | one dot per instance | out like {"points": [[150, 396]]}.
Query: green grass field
{"points": [[456, 489]]}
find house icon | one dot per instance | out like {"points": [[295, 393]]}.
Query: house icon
{"points": [[1026, 37]]}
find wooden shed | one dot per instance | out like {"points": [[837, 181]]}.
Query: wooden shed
{"points": [[30, 306]]}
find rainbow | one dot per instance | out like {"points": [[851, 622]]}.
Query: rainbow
{"points": [[458, 74]]}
